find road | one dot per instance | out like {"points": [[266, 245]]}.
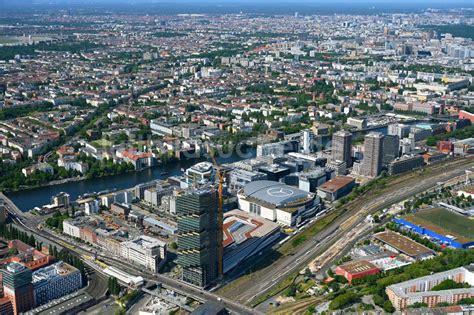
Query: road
{"points": [[264, 280], [29, 223]]}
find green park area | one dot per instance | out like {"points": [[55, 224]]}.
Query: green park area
{"points": [[444, 222]]}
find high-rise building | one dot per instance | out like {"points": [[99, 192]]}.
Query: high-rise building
{"points": [[17, 287], [341, 147], [373, 154], [391, 149], [307, 138], [198, 235]]}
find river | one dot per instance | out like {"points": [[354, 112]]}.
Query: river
{"points": [[28, 199], [37, 197]]}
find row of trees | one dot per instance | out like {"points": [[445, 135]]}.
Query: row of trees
{"points": [[459, 134], [9, 232], [114, 286], [69, 258]]}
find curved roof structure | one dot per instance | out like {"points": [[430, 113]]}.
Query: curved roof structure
{"points": [[275, 193]]}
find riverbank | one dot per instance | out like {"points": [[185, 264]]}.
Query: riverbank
{"points": [[39, 196]]}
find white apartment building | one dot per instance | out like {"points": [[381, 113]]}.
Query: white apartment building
{"points": [[146, 251]]}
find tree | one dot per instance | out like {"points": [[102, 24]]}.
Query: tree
{"points": [[448, 284], [291, 290], [12, 251], [113, 286], [388, 307], [343, 300]]}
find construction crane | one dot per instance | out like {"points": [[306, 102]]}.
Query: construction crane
{"points": [[220, 214]]}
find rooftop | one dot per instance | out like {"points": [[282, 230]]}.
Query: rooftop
{"points": [[355, 267], [336, 183], [403, 244], [275, 193]]}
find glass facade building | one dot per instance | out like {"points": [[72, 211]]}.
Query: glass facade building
{"points": [[198, 235]]}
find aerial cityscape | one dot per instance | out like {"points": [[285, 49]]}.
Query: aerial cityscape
{"points": [[236, 157]]}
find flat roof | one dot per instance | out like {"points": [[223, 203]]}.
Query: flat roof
{"points": [[240, 226], [336, 183], [355, 267], [403, 244], [275, 193]]}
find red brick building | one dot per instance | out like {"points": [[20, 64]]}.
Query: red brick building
{"points": [[357, 269], [466, 115]]}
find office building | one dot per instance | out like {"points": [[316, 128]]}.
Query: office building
{"points": [[238, 178], [91, 207], [17, 287], [373, 154], [198, 235], [391, 148], [277, 148], [407, 146], [55, 281], [405, 164], [146, 251], [124, 197], [336, 188], [419, 134], [307, 138], [359, 123], [60, 200], [341, 147], [200, 173], [274, 172], [399, 130]]}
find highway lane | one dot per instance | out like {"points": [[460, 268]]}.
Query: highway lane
{"points": [[289, 264]]}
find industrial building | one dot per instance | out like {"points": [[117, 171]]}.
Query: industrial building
{"points": [[401, 244], [420, 290], [146, 251], [245, 235], [336, 188], [357, 269], [278, 202]]}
